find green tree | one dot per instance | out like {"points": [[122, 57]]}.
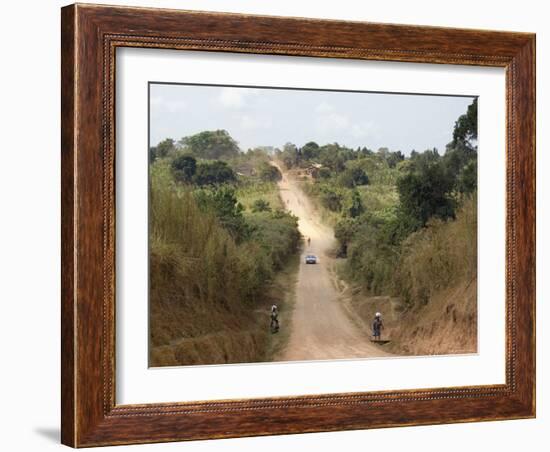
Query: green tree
{"points": [[211, 144], [261, 205], [461, 155], [425, 193], [353, 177], [184, 168], [393, 158], [223, 203], [310, 150], [467, 178], [354, 206], [323, 173], [331, 156], [331, 199], [213, 173], [152, 154], [344, 232], [165, 148], [465, 130], [290, 155]]}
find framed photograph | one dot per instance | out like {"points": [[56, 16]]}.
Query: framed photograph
{"points": [[282, 225]]}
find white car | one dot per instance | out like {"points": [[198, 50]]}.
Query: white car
{"points": [[311, 259]]}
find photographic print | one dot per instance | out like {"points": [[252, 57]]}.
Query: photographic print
{"points": [[294, 224]]}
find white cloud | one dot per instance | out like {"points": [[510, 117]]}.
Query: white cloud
{"points": [[363, 129], [234, 97], [329, 121], [160, 104], [332, 122], [324, 107], [250, 122]]}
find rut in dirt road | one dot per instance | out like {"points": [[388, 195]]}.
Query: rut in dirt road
{"points": [[320, 328]]}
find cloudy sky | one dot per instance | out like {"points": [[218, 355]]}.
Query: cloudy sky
{"points": [[272, 117]]}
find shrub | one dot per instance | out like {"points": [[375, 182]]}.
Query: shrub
{"points": [[213, 173], [353, 177], [261, 205], [269, 173], [184, 168]]}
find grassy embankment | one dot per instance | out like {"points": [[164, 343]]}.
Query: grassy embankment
{"points": [[211, 290]]}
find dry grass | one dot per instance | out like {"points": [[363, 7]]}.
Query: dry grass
{"points": [[446, 325], [439, 256], [209, 297]]}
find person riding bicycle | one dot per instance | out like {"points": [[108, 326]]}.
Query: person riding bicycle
{"points": [[274, 325], [377, 326]]}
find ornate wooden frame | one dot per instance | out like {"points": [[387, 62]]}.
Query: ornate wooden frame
{"points": [[90, 35]]}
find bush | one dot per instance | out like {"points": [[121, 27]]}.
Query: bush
{"points": [[261, 205], [353, 177], [222, 202], [213, 173], [184, 168], [270, 173], [277, 234], [426, 192], [331, 199]]}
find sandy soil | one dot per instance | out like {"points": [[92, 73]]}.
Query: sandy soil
{"points": [[320, 327]]}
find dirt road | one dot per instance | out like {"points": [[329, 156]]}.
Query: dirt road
{"points": [[320, 328]]}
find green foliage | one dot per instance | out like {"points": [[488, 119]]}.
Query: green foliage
{"points": [[323, 173], [354, 205], [344, 232], [222, 202], [290, 155], [152, 154], [310, 150], [213, 173], [249, 190], [331, 199], [269, 173], [465, 130], [426, 192], [353, 177], [333, 157], [164, 149], [467, 177], [394, 158], [184, 168], [214, 144], [371, 260], [261, 205], [278, 235]]}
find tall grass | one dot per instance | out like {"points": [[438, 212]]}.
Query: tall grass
{"points": [[205, 289], [439, 256]]}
